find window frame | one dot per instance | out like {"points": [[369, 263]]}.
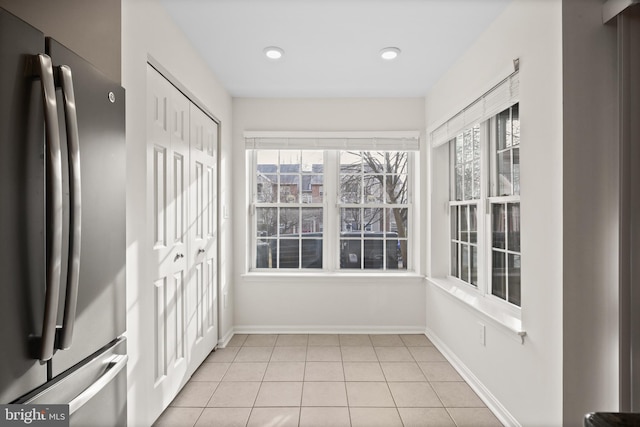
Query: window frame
{"points": [[331, 232]]}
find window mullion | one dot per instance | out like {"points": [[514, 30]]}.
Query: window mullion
{"points": [[331, 232], [457, 241]]}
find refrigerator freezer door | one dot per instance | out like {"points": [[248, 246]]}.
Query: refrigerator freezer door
{"points": [[95, 391], [22, 210], [100, 311]]}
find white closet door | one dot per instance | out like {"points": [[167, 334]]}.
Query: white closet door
{"points": [[168, 165], [203, 234]]}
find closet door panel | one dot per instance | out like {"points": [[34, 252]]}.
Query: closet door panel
{"points": [[164, 295], [203, 230]]}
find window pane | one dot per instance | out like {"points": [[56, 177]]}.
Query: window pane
{"points": [[267, 222], [373, 253], [312, 188], [289, 188], [312, 161], [269, 157], [514, 279], [396, 221], [373, 220], [476, 142], [396, 189], [516, 170], [311, 253], [312, 222], [350, 253], [464, 223], [265, 252], [468, 145], [459, 149], [350, 162], [459, 181], [374, 162], [289, 253], [403, 253], [473, 223], [393, 252], [515, 125], [351, 220], [498, 275], [454, 223], [290, 161], [289, 221], [504, 173], [474, 265], [373, 188], [266, 187], [498, 226], [502, 123], [513, 218], [468, 181], [464, 273], [476, 180], [350, 188], [396, 162], [266, 176], [454, 260]]}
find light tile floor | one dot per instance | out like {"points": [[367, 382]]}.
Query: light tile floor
{"points": [[327, 380]]}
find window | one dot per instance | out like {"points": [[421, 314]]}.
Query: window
{"points": [[485, 177], [373, 204], [366, 206], [288, 217], [505, 206], [464, 205]]}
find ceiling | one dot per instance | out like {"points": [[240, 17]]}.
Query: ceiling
{"points": [[331, 46]]}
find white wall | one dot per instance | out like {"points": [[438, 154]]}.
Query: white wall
{"points": [[524, 380], [319, 303], [147, 30]]}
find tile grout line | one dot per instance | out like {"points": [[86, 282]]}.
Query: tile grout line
{"points": [[344, 374], [273, 346]]}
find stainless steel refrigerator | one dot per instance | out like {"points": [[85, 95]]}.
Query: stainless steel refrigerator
{"points": [[62, 229]]}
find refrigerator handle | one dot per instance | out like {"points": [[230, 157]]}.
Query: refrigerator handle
{"points": [[115, 365], [44, 70], [75, 212]]}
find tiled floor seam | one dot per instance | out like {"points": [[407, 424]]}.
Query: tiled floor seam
{"points": [[342, 343]]}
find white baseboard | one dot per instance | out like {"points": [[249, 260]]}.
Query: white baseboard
{"points": [[223, 341], [281, 329], [483, 392]]}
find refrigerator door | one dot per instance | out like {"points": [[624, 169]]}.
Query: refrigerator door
{"points": [[22, 210], [100, 311], [96, 390]]}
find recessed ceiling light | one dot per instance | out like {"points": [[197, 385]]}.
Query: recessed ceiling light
{"points": [[389, 53], [273, 52]]}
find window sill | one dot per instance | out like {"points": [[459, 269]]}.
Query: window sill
{"points": [[481, 304], [279, 277]]}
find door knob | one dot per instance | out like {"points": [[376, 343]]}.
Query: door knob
{"points": [[178, 256], [201, 251]]}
